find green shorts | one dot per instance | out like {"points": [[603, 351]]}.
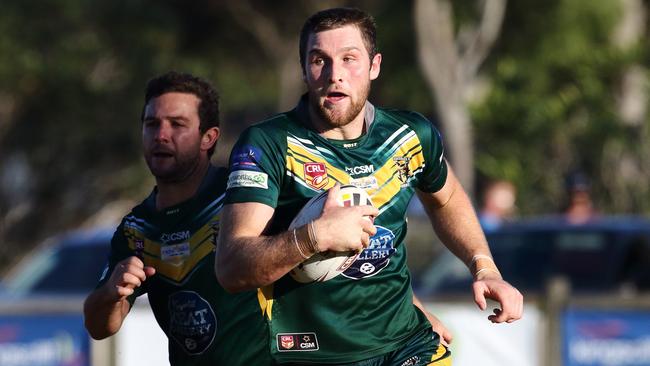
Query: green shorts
{"points": [[423, 348]]}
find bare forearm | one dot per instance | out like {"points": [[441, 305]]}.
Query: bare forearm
{"points": [[457, 226], [246, 263], [103, 317], [248, 259]]}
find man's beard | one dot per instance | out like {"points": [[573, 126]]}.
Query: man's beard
{"points": [[184, 166], [333, 117]]}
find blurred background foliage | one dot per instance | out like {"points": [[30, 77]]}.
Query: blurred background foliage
{"points": [[564, 88]]}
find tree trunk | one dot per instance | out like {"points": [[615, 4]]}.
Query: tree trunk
{"points": [[282, 49], [450, 72]]}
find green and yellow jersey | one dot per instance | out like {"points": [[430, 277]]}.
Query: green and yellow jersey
{"points": [[367, 310], [205, 324]]}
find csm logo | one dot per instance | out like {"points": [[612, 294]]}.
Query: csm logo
{"points": [[361, 169], [174, 237]]}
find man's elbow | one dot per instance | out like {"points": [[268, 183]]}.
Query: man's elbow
{"points": [[230, 285], [233, 279], [228, 278]]}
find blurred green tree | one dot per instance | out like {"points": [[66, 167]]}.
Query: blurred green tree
{"points": [[564, 87], [554, 105]]}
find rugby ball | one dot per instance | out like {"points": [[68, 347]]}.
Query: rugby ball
{"points": [[326, 265]]}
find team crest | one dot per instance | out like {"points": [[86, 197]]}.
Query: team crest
{"points": [[316, 175], [286, 341], [403, 172]]}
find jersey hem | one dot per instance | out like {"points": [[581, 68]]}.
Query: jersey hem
{"points": [[319, 359]]}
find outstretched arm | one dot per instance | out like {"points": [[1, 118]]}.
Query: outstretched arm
{"points": [[454, 220], [247, 259], [107, 306]]}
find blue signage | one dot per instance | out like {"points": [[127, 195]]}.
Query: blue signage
{"points": [[606, 337], [43, 340]]}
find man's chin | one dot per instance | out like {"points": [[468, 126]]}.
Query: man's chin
{"points": [[167, 175], [335, 117]]}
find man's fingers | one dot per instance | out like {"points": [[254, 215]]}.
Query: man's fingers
{"points": [[124, 291], [368, 227], [445, 337], [133, 261], [479, 296], [332, 197], [365, 239], [511, 308], [136, 272], [149, 271], [130, 280], [367, 210]]}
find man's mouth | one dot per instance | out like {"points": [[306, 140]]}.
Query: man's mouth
{"points": [[334, 97], [162, 154]]}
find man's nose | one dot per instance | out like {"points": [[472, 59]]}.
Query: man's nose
{"points": [[335, 72], [163, 132]]}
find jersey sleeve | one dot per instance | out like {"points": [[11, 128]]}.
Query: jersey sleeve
{"points": [[434, 175], [257, 165], [119, 251]]}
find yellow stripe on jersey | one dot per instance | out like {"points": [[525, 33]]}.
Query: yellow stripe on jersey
{"points": [[388, 175], [296, 166], [388, 179], [181, 258], [265, 298]]}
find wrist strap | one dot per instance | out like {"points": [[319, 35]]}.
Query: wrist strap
{"points": [[295, 241]]}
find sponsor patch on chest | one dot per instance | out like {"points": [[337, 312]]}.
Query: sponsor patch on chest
{"points": [[175, 253], [297, 342], [365, 182], [375, 257]]}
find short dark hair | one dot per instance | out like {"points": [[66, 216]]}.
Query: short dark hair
{"points": [[178, 82], [336, 18]]}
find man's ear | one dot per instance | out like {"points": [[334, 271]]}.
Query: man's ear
{"points": [[375, 66], [209, 138]]}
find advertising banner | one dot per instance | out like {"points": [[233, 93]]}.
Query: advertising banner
{"points": [[43, 340], [606, 337]]}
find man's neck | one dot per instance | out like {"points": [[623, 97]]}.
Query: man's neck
{"points": [[354, 129], [170, 194]]}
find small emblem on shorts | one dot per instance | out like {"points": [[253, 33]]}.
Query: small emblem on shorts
{"points": [[296, 342], [411, 361]]}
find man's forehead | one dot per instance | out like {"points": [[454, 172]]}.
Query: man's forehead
{"points": [[348, 36], [172, 102]]}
